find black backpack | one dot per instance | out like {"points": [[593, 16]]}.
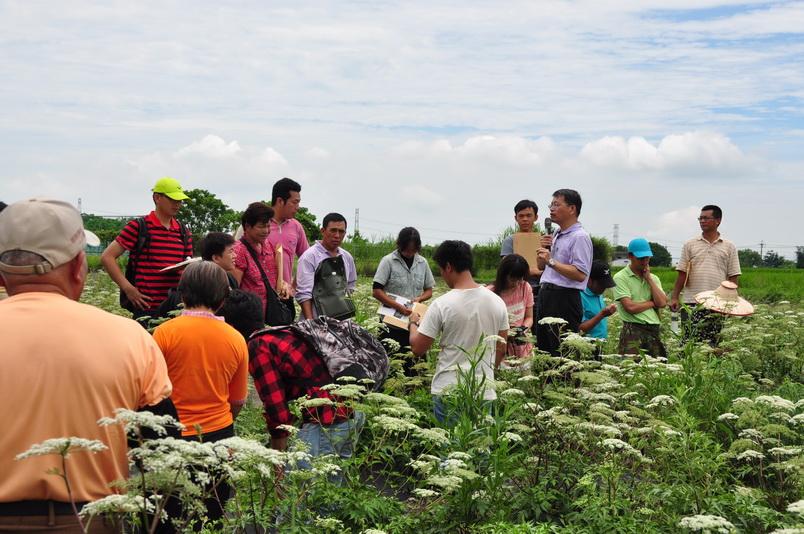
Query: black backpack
{"points": [[143, 241], [329, 289]]}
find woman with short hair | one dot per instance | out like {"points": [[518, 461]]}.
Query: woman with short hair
{"points": [[207, 362], [256, 221], [405, 273]]}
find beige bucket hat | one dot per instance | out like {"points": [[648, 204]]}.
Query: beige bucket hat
{"points": [[725, 300]]}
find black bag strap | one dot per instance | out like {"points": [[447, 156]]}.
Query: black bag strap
{"points": [[266, 283], [141, 244]]}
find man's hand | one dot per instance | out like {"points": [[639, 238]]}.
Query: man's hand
{"points": [[608, 310], [646, 273], [414, 317], [543, 254], [674, 304], [404, 310], [546, 241], [139, 300]]}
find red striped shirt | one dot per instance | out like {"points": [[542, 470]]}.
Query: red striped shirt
{"points": [[164, 248]]}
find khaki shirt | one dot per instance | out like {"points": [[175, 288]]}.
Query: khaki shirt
{"points": [[707, 265]]}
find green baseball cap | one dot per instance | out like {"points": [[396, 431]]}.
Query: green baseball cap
{"points": [[170, 187]]}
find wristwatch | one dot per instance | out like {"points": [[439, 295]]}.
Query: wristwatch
{"points": [[551, 262]]}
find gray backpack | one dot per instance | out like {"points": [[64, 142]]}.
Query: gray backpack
{"points": [[346, 348]]}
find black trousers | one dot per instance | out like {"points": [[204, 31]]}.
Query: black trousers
{"points": [[561, 302], [214, 507]]}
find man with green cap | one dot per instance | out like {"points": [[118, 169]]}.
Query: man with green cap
{"points": [[153, 242], [639, 296]]}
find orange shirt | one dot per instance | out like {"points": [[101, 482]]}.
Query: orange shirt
{"points": [[207, 362], [63, 366]]}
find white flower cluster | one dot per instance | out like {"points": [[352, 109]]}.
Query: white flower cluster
{"points": [[512, 392], [600, 429], [425, 493], [660, 400], [528, 378], [134, 421], [62, 447], [750, 454], [728, 416], [552, 320], [511, 436], [117, 504], [785, 451], [776, 402], [707, 523], [247, 450], [618, 445], [436, 436], [752, 434], [445, 482], [796, 507]]}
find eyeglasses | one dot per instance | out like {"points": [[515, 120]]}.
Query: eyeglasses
{"points": [[706, 219], [555, 205]]}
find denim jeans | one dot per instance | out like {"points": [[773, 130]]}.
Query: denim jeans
{"points": [[445, 415], [339, 438]]}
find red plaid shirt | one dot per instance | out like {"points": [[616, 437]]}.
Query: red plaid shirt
{"points": [[285, 367]]}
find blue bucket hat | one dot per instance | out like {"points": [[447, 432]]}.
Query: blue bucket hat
{"points": [[640, 248]]}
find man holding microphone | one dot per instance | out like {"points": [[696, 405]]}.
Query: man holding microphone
{"points": [[566, 259]]}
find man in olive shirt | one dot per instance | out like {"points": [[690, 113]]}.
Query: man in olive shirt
{"points": [[639, 295]]}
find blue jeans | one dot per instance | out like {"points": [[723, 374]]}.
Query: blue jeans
{"points": [[339, 438], [446, 416]]}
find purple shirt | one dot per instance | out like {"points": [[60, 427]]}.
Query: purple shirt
{"points": [[290, 234], [572, 246], [305, 270]]}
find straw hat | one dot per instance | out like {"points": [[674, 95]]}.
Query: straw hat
{"points": [[725, 300]]}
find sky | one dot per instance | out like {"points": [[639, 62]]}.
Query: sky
{"points": [[439, 115]]}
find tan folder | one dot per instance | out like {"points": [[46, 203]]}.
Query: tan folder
{"points": [[526, 244]]}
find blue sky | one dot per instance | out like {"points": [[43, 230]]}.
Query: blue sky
{"points": [[437, 114]]}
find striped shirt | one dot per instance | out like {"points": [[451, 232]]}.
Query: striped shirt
{"points": [[164, 247], [707, 264]]}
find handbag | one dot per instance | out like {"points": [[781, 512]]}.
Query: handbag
{"points": [[276, 311]]}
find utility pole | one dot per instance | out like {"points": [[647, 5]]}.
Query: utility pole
{"points": [[616, 236], [357, 221], [79, 206], [762, 249]]}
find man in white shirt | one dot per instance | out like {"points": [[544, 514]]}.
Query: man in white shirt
{"points": [[467, 318]]}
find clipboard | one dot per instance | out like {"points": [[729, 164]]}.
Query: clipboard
{"points": [[526, 244], [181, 264]]}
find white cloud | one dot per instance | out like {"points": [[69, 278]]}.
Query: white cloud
{"points": [[272, 157], [692, 151], [674, 223], [317, 152], [421, 196], [509, 150], [210, 146]]}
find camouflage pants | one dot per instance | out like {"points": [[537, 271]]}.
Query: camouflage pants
{"points": [[637, 338], [698, 324]]}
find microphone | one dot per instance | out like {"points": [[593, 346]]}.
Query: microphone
{"points": [[548, 227]]}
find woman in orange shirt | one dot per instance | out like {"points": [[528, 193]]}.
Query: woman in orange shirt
{"points": [[207, 362]]}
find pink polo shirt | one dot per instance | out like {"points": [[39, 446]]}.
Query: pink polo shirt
{"points": [[290, 234]]}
